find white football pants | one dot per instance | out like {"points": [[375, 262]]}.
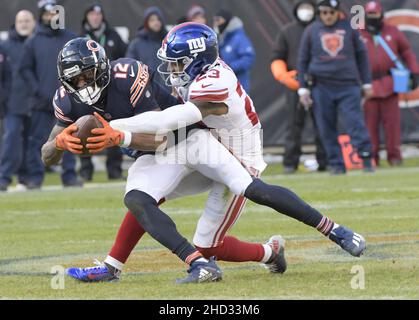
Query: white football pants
{"points": [[196, 165]]}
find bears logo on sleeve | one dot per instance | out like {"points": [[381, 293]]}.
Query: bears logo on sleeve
{"points": [[139, 84]]}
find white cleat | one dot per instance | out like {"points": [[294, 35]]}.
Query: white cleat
{"points": [[277, 262]]}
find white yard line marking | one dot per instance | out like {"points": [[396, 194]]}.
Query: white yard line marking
{"points": [[111, 185], [339, 204], [105, 185], [385, 190]]}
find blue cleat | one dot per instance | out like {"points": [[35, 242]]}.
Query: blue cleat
{"points": [[277, 262], [100, 273], [348, 240], [202, 272]]}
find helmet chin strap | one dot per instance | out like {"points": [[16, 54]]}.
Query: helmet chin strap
{"points": [[86, 95], [180, 80]]}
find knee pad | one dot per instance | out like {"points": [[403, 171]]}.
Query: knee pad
{"points": [[138, 201]]}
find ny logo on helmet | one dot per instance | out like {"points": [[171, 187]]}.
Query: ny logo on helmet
{"points": [[197, 45]]}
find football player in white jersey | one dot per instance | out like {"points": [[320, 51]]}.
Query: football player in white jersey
{"points": [[230, 170]]}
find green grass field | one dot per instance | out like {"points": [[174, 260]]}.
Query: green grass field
{"points": [[43, 229]]}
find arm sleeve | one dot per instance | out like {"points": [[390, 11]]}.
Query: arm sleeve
{"points": [[362, 59], [246, 54], [170, 119], [280, 51], [5, 77], [304, 58], [28, 65], [62, 108], [406, 52], [216, 86], [4, 82]]}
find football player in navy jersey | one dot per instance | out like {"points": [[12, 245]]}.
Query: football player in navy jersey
{"points": [[113, 90], [117, 89]]}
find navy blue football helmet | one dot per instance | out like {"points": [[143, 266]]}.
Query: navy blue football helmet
{"points": [[85, 59], [188, 50]]}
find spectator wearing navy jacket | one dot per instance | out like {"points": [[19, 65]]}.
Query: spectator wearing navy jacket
{"points": [[17, 113], [39, 69], [236, 49], [334, 57], [196, 14], [149, 37]]}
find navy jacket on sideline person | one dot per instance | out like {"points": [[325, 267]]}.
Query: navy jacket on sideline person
{"points": [[5, 73], [18, 100], [39, 64], [333, 55], [115, 47], [145, 45], [237, 51]]}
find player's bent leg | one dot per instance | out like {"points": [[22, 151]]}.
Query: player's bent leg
{"points": [[129, 233], [149, 181], [221, 212], [158, 224], [234, 250], [288, 203], [163, 229], [272, 254], [227, 170]]}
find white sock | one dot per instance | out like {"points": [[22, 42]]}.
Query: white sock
{"points": [[201, 260], [268, 253], [114, 263], [335, 225]]}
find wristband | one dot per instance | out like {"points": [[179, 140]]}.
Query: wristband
{"points": [[303, 91], [127, 139]]}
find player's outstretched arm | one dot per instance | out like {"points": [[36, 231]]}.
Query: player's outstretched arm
{"points": [[59, 140], [147, 142], [170, 119], [108, 136]]}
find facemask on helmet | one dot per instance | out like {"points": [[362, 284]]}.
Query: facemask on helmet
{"points": [[85, 86], [173, 70]]}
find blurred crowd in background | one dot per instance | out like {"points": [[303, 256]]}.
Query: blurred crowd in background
{"points": [[328, 68]]}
